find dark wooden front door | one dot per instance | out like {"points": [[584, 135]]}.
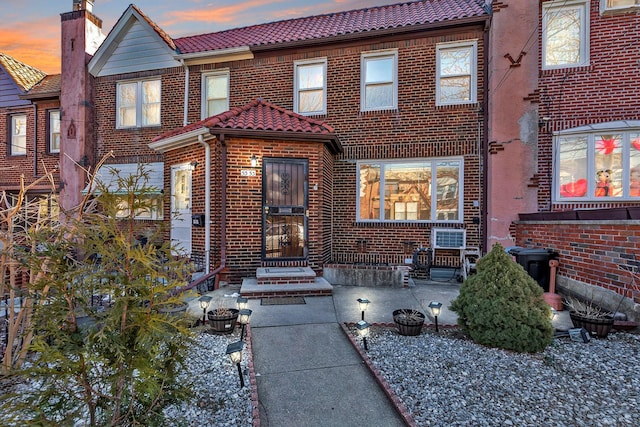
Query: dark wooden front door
{"points": [[284, 201]]}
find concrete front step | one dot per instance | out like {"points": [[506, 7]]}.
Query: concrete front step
{"points": [[251, 289], [285, 276]]}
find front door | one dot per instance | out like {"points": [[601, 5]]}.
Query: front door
{"points": [[181, 208], [284, 200]]}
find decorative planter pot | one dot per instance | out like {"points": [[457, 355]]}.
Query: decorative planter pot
{"points": [[408, 321], [599, 327], [225, 323]]}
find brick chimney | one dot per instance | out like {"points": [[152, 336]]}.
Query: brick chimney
{"points": [[81, 35]]}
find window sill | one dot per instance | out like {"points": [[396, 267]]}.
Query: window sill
{"points": [[620, 11]]}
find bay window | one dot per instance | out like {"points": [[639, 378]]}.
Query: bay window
{"points": [[597, 165], [138, 104], [410, 190]]}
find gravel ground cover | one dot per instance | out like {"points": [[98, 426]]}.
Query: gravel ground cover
{"points": [[445, 379]]}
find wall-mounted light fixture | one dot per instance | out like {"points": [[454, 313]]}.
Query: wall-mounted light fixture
{"points": [[193, 165], [254, 161]]}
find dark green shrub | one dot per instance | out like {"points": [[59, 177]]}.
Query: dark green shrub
{"points": [[502, 306]]}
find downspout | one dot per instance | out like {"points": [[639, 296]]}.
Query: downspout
{"points": [[35, 141], [223, 206], [484, 150], [186, 93], [207, 203]]}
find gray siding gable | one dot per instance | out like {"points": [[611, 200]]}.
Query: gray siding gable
{"points": [[9, 92], [132, 46]]}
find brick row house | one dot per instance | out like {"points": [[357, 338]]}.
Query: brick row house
{"points": [[30, 139], [325, 144], [587, 176]]}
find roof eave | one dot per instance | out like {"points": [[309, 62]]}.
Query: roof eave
{"points": [[53, 94], [215, 56], [179, 141], [330, 139]]}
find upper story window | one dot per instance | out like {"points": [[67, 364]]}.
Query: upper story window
{"points": [[53, 133], [379, 86], [310, 91], [456, 73], [138, 103], [215, 93], [565, 34], [407, 191], [18, 135], [618, 5], [597, 165]]}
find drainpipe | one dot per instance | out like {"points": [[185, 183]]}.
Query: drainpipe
{"points": [[207, 203], [484, 150], [223, 206], [186, 93], [35, 141]]}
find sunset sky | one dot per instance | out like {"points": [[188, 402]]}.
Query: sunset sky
{"points": [[30, 29]]}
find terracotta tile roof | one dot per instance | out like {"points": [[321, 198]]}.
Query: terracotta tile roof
{"points": [[156, 28], [49, 86], [335, 24], [261, 116], [25, 76], [258, 115]]}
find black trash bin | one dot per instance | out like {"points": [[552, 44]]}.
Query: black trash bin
{"points": [[536, 263]]}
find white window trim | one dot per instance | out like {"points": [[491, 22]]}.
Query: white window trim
{"points": [[50, 136], [296, 89], [590, 132], [434, 190], [584, 36], [605, 10], [138, 103], [473, 96], [12, 151], [204, 102], [391, 53]]}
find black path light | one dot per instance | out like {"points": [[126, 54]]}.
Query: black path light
{"points": [[234, 350], [364, 303], [435, 307], [363, 331], [242, 303], [204, 301], [243, 318]]}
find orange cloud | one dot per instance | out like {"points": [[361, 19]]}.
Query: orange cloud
{"points": [[220, 15], [40, 49]]}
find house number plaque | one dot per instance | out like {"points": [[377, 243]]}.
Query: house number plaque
{"points": [[248, 172]]}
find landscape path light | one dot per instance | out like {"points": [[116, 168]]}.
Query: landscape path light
{"points": [[363, 331], [243, 318], [242, 303], [234, 350], [364, 303], [204, 301], [435, 307]]}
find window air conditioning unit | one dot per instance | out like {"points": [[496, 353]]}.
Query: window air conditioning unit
{"points": [[448, 238]]}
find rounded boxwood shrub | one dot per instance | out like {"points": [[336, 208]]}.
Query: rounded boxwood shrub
{"points": [[502, 306]]}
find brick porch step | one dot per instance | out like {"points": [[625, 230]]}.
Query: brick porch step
{"points": [[285, 276], [251, 289]]}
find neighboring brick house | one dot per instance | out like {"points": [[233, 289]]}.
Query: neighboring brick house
{"points": [[332, 141], [29, 134], [588, 157]]}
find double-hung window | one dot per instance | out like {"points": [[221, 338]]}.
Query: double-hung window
{"points": [[565, 34], [138, 103], [456, 73], [424, 190], [379, 81], [18, 135], [598, 165], [215, 93], [144, 207], [53, 133], [310, 87]]}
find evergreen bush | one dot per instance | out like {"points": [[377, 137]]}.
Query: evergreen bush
{"points": [[502, 306]]}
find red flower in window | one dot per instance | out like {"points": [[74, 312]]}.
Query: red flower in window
{"points": [[574, 189], [636, 144], [607, 145]]}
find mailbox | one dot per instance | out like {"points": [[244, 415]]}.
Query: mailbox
{"points": [[197, 220]]}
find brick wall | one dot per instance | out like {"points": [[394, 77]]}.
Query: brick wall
{"points": [[589, 251]]}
